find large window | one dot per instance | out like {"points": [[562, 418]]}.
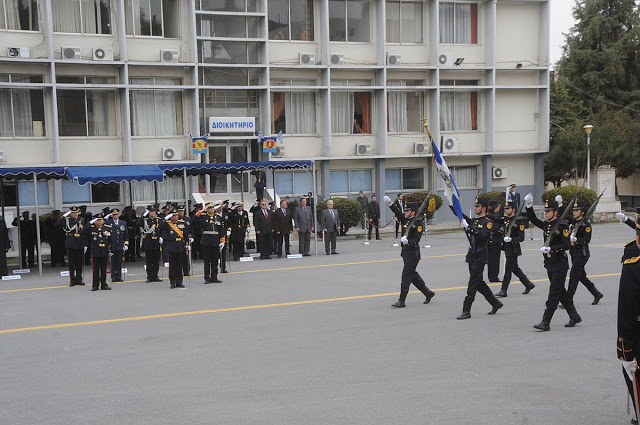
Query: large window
{"points": [[458, 109], [350, 112], [293, 182], [82, 16], [230, 52], [73, 193], [291, 20], [155, 18], [294, 112], [465, 177], [404, 21], [228, 103], [21, 109], [404, 179], [156, 112], [19, 15], [26, 192], [458, 23], [404, 108], [227, 5], [227, 26], [86, 113], [349, 20], [351, 181]]}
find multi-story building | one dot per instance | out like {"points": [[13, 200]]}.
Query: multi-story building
{"points": [[346, 81]]}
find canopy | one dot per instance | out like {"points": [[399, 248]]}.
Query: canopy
{"points": [[26, 173], [196, 168], [117, 174]]}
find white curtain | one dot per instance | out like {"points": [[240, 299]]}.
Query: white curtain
{"points": [[66, 16], [446, 111], [90, 14], [13, 15], [397, 102], [300, 108], [142, 109], [411, 22], [462, 113], [171, 189], [167, 114], [22, 112], [6, 124], [463, 24], [341, 112], [99, 116], [393, 22], [447, 26]]}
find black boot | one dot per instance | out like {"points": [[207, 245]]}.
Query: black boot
{"points": [[400, 303], [496, 304], [466, 310], [596, 298], [503, 291], [428, 297], [574, 317], [528, 286], [546, 320]]}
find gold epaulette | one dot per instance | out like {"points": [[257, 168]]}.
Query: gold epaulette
{"points": [[629, 243], [632, 260]]}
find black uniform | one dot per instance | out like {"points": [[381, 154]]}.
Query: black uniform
{"points": [[151, 245], [55, 237], [27, 238], [212, 235], [174, 239], [494, 247], [134, 237], [119, 239], [224, 217], [196, 234], [512, 251], [186, 269], [579, 256], [74, 243], [100, 238], [5, 244], [239, 223]]}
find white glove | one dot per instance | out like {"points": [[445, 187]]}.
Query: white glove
{"points": [[188, 247], [66, 214], [93, 221], [248, 229], [160, 240], [558, 199], [573, 238], [629, 368], [106, 217], [21, 218], [507, 239], [190, 240], [228, 232], [465, 225], [221, 245], [404, 239], [528, 200], [387, 199], [622, 217], [125, 248], [146, 213], [111, 254], [545, 250], [85, 249]]}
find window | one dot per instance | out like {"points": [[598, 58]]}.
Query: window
{"points": [[349, 20], [82, 16], [227, 26], [21, 109], [228, 103], [458, 109], [231, 52], [404, 109], [299, 108], [404, 179], [227, 5], [404, 21], [228, 76], [26, 193], [19, 15], [73, 193], [465, 177], [155, 18], [458, 23], [86, 113], [156, 112], [172, 188], [350, 112], [293, 182], [351, 181], [291, 20]]}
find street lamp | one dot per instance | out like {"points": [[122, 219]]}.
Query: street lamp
{"points": [[587, 129]]}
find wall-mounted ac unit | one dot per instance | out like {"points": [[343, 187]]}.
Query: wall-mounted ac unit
{"points": [[17, 52], [103, 54], [337, 59], [71, 53], [363, 149], [173, 153], [307, 58], [169, 56], [393, 59], [420, 147], [499, 172], [279, 153], [449, 145], [445, 59]]}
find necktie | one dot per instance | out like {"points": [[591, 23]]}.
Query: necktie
{"points": [[304, 209], [283, 211], [265, 213], [331, 212]]}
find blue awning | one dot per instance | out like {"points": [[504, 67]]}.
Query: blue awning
{"points": [[116, 174], [196, 168], [26, 173]]}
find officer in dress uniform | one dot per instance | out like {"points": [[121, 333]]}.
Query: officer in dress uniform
{"points": [[119, 243], [196, 233], [129, 217], [225, 216], [174, 239], [512, 250], [73, 226], [240, 226], [100, 237], [580, 253], [495, 241], [212, 240], [410, 251], [555, 261], [150, 225], [185, 261]]}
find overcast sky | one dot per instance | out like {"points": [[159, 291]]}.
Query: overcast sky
{"points": [[561, 22]]}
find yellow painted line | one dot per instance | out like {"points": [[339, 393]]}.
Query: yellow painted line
{"points": [[241, 308]]}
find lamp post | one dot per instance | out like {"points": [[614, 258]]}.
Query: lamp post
{"points": [[587, 129]]}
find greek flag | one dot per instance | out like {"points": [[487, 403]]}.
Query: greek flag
{"points": [[280, 137], [453, 194], [260, 136]]}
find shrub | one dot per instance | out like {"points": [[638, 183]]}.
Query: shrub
{"points": [[349, 210], [587, 196], [419, 198]]}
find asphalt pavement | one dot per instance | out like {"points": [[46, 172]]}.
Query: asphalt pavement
{"points": [[312, 340]]}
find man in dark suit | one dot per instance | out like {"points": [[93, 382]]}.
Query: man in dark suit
{"points": [[261, 182], [284, 227], [373, 214], [263, 222], [303, 219], [330, 223], [27, 238]]}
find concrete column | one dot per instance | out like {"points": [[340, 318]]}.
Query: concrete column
{"points": [[48, 36], [127, 150]]}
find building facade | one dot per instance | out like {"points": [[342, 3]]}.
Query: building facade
{"points": [[346, 82]]}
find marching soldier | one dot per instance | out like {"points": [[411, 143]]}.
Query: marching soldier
{"points": [[410, 251], [555, 261], [212, 240], [150, 225], [624, 219], [100, 237], [119, 243], [73, 226], [240, 226], [185, 261], [580, 254], [512, 250], [174, 236], [495, 241]]}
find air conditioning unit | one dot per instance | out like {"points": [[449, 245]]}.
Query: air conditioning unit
{"points": [[449, 145], [394, 59], [17, 52], [103, 54], [174, 153], [337, 59], [445, 59], [307, 59], [169, 56], [499, 173], [71, 53], [421, 147], [363, 149], [279, 153]]}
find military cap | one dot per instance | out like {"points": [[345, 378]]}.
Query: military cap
{"points": [[152, 208], [74, 209], [83, 207], [578, 205], [413, 206], [99, 216], [115, 211], [493, 203], [550, 205], [25, 212], [240, 204], [180, 207], [480, 202], [55, 212], [210, 205], [510, 204], [198, 205]]}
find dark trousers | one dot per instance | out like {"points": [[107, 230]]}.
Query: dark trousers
{"points": [[238, 249], [511, 267], [304, 242], [87, 255], [410, 275], [274, 242], [116, 265], [578, 274], [259, 193], [186, 269], [223, 258], [196, 248], [493, 264], [57, 253], [176, 260], [557, 293], [130, 255], [283, 238], [4, 270], [476, 284], [76, 261], [264, 244], [330, 240], [27, 250], [396, 233], [211, 254], [99, 268], [152, 260], [374, 224]]}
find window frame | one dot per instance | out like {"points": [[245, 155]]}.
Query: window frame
{"points": [[21, 85], [455, 172], [346, 22], [293, 181], [475, 94], [422, 21], [474, 31], [91, 194], [402, 187], [82, 23], [34, 17], [352, 112], [180, 120], [134, 29], [287, 99], [350, 189], [311, 38]]}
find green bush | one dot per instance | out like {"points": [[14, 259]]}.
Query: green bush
{"points": [[419, 198], [587, 196], [349, 210]]}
